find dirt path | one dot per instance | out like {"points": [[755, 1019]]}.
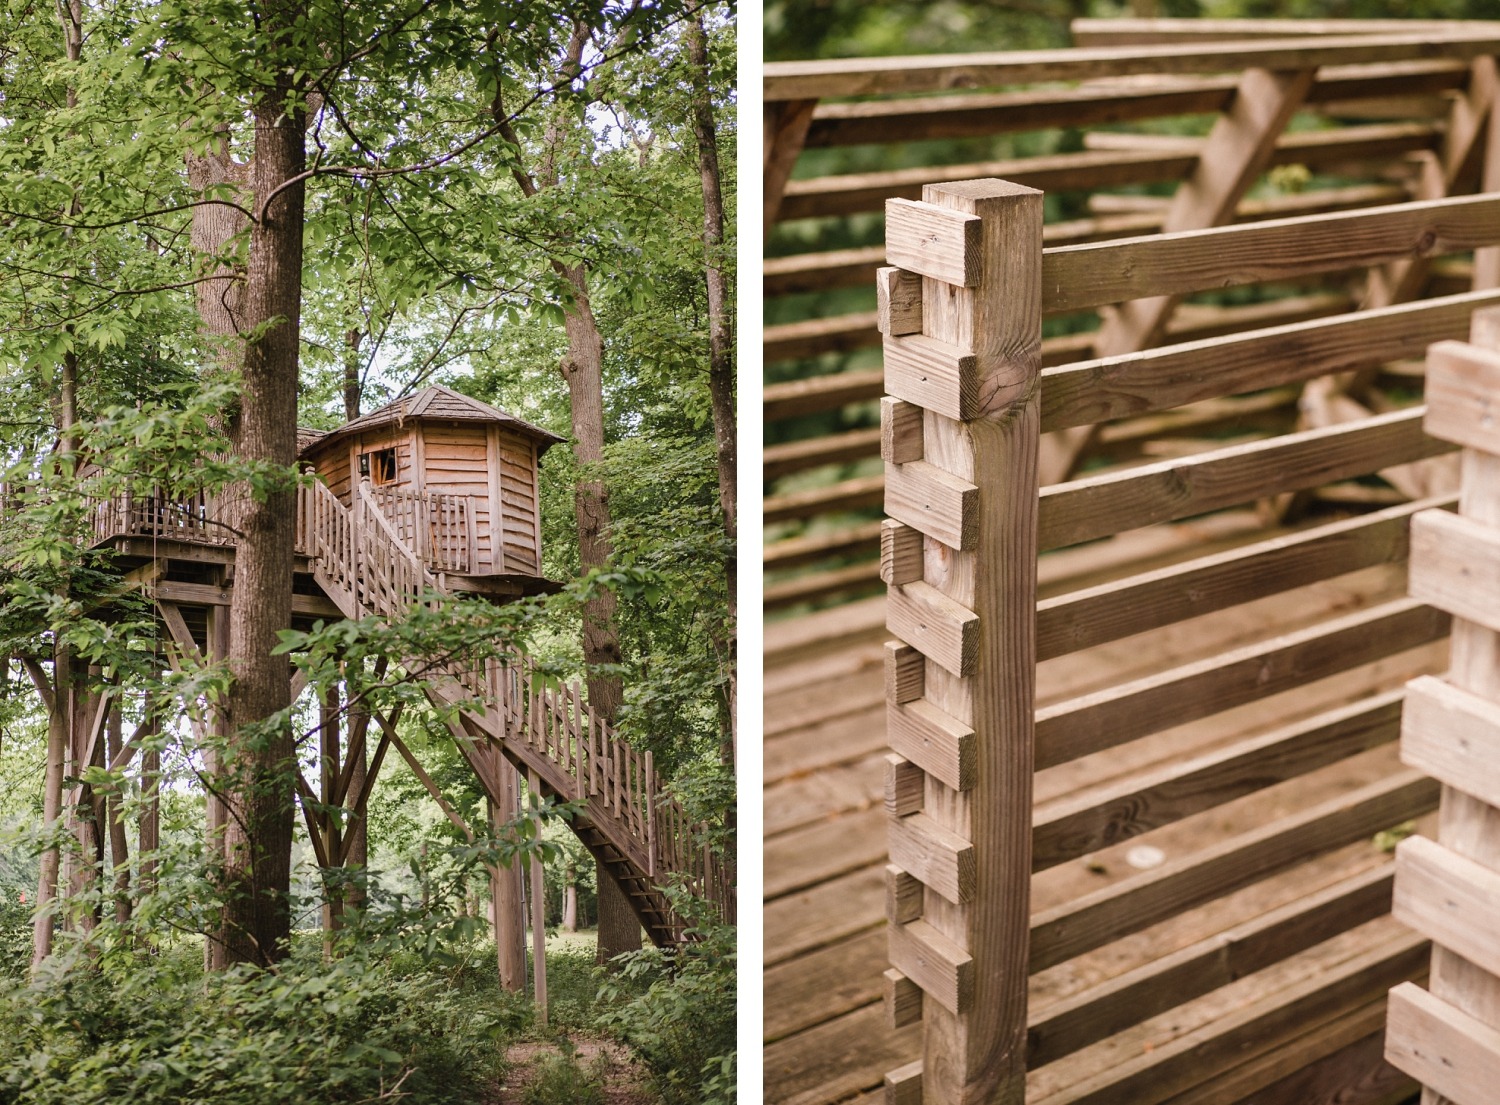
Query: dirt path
{"points": [[610, 1064]]}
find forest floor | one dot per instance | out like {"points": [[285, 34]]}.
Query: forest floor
{"points": [[600, 1062]]}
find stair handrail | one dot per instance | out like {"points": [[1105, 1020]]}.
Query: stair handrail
{"points": [[654, 822]]}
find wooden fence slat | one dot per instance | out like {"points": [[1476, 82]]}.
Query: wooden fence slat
{"points": [[1160, 379], [1065, 931], [1081, 276], [1092, 616], [1064, 1027], [1100, 506], [1106, 718], [1449, 899], [1100, 817], [1442, 1047]]}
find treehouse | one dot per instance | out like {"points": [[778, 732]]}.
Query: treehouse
{"points": [[455, 477], [436, 492]]}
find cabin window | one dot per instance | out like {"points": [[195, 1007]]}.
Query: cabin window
{"points": [[379, 465]]}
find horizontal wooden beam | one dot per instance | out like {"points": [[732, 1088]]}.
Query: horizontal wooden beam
{"points": [[1463, 381], [1064, 1027], [1442, 1047], [943, 970], [1450, 899], [1095, 615], [1455, 566], [933, 624], [937, 857], [1100, 506], [795, 80], [1078, 277], [1098, 818], [1112, 716], [939, 744], [1174, 375], [852, 193], [1065, 931], [934, 502]]}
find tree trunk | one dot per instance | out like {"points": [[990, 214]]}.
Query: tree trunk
{"points": [[255, 921], [119, 848], [57, 752], [356, 830], [570, 898], [720, 339]]}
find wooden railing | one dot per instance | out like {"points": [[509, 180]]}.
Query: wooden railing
{"points": [[437, 527], [366, 567], [970, 405], [194, 518], [1374, 118]]}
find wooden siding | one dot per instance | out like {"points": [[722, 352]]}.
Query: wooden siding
{"points": [[456, 463], [521, 517]]}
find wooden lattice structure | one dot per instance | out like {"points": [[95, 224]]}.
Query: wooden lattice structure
{"points": [[1132, 840]]}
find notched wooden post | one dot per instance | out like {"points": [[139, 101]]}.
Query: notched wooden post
{"points": [[961, 437], [1448, 1037]]}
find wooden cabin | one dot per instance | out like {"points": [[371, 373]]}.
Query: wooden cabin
{"points": [[456, 478]]}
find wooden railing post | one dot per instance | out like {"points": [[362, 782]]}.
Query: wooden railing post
{"points": [[1448, 1037], [961, 314]]}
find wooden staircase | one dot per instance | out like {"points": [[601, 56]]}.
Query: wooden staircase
{"points": [[639, 834]]}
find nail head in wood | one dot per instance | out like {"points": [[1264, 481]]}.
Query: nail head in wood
{"points": [[939, 628], [940, 504], [934, 740], [943, 970], [932, 374]]}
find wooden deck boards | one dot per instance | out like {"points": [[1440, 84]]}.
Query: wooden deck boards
{"points": [[827, 1039]]}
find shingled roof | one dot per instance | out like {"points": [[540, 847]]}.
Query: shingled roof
{"points": [[436, 403]]}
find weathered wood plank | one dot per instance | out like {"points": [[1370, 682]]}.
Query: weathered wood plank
{"points": [[1092, 616], [1455, 566], [934, 740], [1449, 899], [1160, 379], [1463, 382], [1064, 1027], [1061, 933], [791, 80], [935, 625], [939, 858], [934, 242], [1109, 717], [942, 968], [1454, 736], [1082, 276], [1097, 819], [934, 502], [1098, 506], [1442, 1047], [1149, 1078]]}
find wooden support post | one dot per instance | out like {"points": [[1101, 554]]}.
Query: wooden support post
{"points": [[1448, 1040], [538, 913], [507, 909], [785, 131], [331, 759], [965, 945]]}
